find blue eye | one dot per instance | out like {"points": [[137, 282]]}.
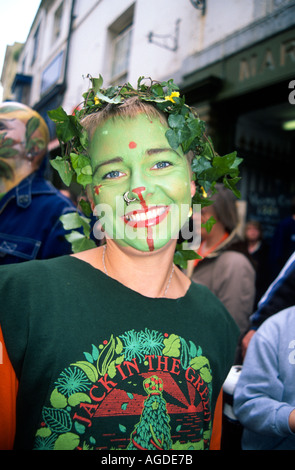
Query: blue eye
{"points": [[161, 165], [113, 174]]}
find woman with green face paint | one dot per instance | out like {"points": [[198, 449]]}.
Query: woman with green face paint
{"points": [[126, 353], [142, 193]]}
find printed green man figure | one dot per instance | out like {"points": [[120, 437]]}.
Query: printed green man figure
{"points": [[153, 430]]}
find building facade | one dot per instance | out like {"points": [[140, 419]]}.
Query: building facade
{"points": [[233, 59]]}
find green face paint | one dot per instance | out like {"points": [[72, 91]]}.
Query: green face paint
{"points": [[133, 155]]}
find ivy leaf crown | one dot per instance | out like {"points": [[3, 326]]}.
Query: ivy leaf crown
{"points": [[186, 130]]}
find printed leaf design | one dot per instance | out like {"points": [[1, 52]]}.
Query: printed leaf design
{"points": [[31, 127], [57, 399], [67, 441], [172, 346], [89, 369], [106, 356], [122, 428], [78, 398], [201, 364], [88, 356], [95, 352], [58, 421]]}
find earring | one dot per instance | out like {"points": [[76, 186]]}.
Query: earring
{"points": [[126, 198]]}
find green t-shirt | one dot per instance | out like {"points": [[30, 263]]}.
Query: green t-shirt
{"points": [[102, 367]]}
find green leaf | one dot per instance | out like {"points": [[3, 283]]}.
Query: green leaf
{"points": [[86, 207], [176, 120], [57, 399], [172, 138], [97, 83], [74, 220], [57, 420], [8, 152], [67, 441], [181, 257], [79, 242], [31, 126], [117, 99], [209, 224], [58, 114], [64, 169]]}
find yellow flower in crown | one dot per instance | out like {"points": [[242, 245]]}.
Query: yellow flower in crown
{"points": [[204, 192], [96, 100], [173, 94]]}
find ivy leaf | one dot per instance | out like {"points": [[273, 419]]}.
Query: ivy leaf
{"points": [[209, 224], [172, 138], [117, 99], [74, 220], [64, 169], [181, 257], [67, 126], [86, 207], [176, 120], [97, 83], [79, 242]]}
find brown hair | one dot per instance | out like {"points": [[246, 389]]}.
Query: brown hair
{"points": [[225, 207], [130, 108]]}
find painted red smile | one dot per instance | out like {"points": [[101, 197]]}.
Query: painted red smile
{"points": [[146, 217]]}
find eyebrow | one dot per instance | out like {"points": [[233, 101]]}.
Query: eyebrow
{"points": [[149, 152], [160, 150], [108, 162]]}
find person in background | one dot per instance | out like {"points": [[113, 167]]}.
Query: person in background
{"points": [[259, 252], [264, 399], [279, 296], [226, 268], [283, 242], [30, 206]]}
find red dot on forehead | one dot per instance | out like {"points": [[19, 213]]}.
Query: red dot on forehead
{"points": [[132, 145]]}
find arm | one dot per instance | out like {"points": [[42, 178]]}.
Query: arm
{"points": [[8, 393], [234, 285], [258, 402]]}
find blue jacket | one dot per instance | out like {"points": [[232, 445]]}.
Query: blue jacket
{"points": [[29, 221], [279, 295], [264, 396]]}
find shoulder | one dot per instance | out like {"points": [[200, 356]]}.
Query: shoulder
{"points": [[235, 260], [281, 322], [208, 306]]}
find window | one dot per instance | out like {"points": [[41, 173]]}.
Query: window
{"points": [[121, 53], [36, 43], [57, 22], [52, 73]]}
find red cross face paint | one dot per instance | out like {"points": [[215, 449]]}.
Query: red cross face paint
{"points": [[133, 156]]}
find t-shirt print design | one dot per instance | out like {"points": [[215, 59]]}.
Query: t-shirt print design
{"points": [[142, 390]]}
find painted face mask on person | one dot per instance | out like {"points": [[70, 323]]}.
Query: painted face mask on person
{"points": [[141, 186]]}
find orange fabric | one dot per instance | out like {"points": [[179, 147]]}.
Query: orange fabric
{"points": [[8, 392], [200, 251], [215, 442]]}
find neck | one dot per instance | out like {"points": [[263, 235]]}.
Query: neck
{"points": [[214, 236], [149, 273]]}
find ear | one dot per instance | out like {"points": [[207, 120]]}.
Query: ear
{"points": [[193, 188]]}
